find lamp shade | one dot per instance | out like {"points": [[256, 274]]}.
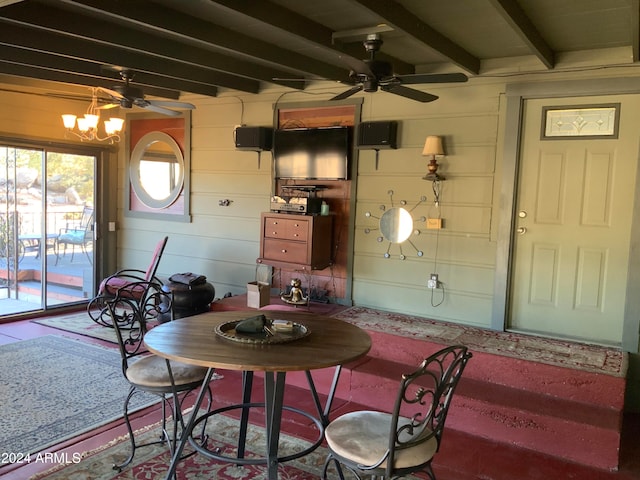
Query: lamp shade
{"points": [[433, 146], [113, 125], [92, 120], [69, 120], [83, 125]]}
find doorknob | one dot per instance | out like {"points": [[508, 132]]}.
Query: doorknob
{"points": [[521, 230]]}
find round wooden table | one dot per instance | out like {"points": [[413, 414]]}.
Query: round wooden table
{"points": [[193, 340]]}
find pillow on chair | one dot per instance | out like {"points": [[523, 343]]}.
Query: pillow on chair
{"points": [[124, 286]]}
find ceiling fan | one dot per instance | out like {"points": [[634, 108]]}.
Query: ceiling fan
{"points": [[372, 74], [128, 96]]}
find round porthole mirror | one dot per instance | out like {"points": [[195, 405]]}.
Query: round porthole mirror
{"points": [[156, 170], [396, 225]]}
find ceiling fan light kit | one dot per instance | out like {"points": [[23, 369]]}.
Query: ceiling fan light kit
{"points": [[123, 96]]}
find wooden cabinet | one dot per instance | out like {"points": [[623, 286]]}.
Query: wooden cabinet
{"points": [[295, 241]]}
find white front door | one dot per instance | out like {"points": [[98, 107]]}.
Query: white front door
{"points": [[574, 209]]}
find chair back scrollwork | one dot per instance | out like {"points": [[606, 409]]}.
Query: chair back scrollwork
{"points": [[423, 400], [396, 442], [132, 318]]}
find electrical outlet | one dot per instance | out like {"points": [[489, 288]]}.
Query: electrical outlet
{"points": [[433, 281]]}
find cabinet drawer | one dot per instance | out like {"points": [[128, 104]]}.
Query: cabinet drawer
{"points": [[290, 229], [298, 230], [274, 228], [285, 251]]}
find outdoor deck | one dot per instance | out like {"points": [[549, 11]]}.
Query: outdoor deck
{"points": [[67, 282]]}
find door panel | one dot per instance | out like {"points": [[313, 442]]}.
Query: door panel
{"points": [[35, 272], [571, 246]]}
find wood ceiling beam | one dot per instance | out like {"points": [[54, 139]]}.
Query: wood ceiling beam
{"points": [[517, 19], [212, 37], [152, 84], [96, 41], [400, 18], [83, 66], [635, 30], [19, 70], [293, 23]]}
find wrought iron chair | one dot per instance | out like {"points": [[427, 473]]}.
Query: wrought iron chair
{"points": [[391, 445], [77, 233], [146, 372], [131, 283]]}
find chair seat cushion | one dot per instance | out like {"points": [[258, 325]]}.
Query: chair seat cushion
{"points": [[73, 236], [151, 371], [111, 285], [363, 438]]}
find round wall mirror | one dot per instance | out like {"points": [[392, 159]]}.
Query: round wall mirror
{"points": [[396, 225], [156, 170]]}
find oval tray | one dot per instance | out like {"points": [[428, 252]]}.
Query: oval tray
{"points": [[228, 330]]}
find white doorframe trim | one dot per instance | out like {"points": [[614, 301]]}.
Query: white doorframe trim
{"points": [[516, 95]]}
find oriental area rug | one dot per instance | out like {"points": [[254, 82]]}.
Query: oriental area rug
{"points": [[81, 324], [152, 462], [55, 388], [580, 356]]}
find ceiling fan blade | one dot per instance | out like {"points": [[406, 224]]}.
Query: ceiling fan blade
{"points": [[347, 93], [108, 106], [111, 92], [171, 104], [154, 108], [432, 78], [409, 93], [358, 66]]}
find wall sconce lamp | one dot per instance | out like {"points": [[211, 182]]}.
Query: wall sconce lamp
{"points": [[433, 148]]}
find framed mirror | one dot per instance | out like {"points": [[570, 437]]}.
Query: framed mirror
{"points": [[158, 167], [396, 225], [156, 170]]}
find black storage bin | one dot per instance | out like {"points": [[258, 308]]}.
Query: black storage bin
{"points": [[188, 300]]}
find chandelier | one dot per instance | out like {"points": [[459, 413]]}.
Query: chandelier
{"points": [[87, 126]]}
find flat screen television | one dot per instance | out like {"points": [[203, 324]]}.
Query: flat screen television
{"points": [[312, 153]]}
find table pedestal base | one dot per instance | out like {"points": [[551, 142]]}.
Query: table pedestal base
{"points": [[274, 384]]}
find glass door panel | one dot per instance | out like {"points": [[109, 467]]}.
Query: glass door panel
{"points": [[70, 223], [46, 228], [11, 253]]}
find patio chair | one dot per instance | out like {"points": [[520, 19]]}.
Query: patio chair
{"points": [[76, 233], [131, 283], [171, 380], [390, 445]]}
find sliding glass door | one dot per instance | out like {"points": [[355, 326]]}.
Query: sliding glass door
{"points": [[47, 223]]}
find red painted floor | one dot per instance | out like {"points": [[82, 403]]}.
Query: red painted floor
{"points": [[457, 460]]}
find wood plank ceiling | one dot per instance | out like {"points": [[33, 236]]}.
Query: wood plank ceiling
{"points": [[209, 46]]}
